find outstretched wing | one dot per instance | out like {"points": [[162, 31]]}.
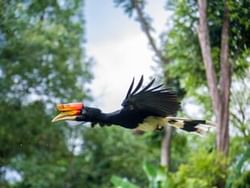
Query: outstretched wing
{"points": [[156, 100]]}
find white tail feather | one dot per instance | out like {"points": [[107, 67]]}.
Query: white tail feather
{"points": [[187, 124]]}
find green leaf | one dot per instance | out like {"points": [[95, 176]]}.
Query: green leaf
{"points": [[119, 182], [150, 170]]}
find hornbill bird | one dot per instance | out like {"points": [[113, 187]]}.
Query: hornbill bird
{"points": [[144, 108]]}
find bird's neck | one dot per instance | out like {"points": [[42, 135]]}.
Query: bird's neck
{"points": [[109, 118], [95, 115], [120, 117]]}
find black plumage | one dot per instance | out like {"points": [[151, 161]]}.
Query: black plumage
{"points": [[156, 101], [139, 103]]}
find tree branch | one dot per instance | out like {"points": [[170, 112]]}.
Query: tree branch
{"points": [[204, 40], [225, 73], [240, 124], [146, 29], [225, 81]]}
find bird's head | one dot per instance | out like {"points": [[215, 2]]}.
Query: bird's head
{"points": [[77, 112], [70, 111]]}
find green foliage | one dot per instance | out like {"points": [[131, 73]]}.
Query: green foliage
{"points": [[122, 183], [243, 181], [240, 143], [179, 149], [158, 176], [115, 151], [239, 170], [182, 46], [239, 23], [41, 62], [129, 5], [183, 49], [22, 122], [41, 50], [202, 169]]}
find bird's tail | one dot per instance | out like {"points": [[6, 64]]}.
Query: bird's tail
{"points": [[200, 127]]}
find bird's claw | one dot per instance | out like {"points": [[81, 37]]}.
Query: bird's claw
{"points": [[93, 124]]}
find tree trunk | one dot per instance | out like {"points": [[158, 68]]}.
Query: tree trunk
{"points": [[220, 97], [220, 92], [146, 28], [207, 58], [165, 147], [225, 85]]}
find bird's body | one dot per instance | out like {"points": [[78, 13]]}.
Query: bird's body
{"points": [[144, 108], [125, 118]]}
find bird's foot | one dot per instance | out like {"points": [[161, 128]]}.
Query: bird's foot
{"points": [[93, 124]]}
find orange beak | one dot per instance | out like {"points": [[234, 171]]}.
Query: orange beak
{"points": [[68, 111]]}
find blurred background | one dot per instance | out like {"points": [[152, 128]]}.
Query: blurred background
{"points": [[61, 51]]}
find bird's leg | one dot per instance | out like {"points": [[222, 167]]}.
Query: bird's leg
{"points": [[102, 124], [93, 124]]}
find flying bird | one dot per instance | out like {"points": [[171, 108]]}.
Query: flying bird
{"points": [[145, 108]]}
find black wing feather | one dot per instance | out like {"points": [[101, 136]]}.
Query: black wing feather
{"points": [[157, 87], [130, 88], [148, 86], [155, 100], [138, 86]]}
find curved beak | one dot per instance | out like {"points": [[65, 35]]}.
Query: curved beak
{"points": [[68, 111]]}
